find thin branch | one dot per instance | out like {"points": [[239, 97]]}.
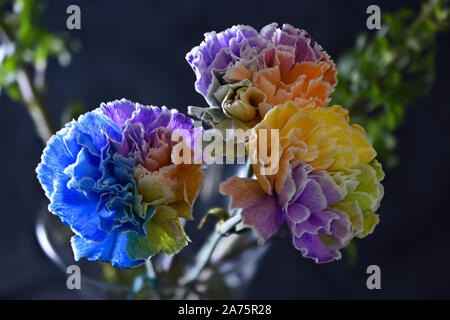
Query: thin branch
{"points": [[203, 257], [29, 96]]}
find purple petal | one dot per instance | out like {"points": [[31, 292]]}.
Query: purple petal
{"points": [[297, 213], [293, 186], [118, 111], [145, 115], [180, 121], [264, 215], [324, 244], [313, 197], [317, 222], [330, 189], [341, 228], [312, 247], [218, 51]]}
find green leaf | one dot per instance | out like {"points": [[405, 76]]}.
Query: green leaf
{"points": [[382, 75]]}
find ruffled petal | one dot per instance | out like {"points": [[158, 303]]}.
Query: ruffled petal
{"points": [[111, 250], [322, 244], [259, 210], [163, 237], [312, 197], [118, 111], [76, 210], [55, 158], [330, 189]]}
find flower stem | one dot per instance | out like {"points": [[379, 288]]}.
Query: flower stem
{"points": [[151, 273], [37, 109], [29, 93], [147, 280], [204, 255]]}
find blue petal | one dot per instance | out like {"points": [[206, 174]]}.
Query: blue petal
{"points": [[84, 172], [94, 131], [76, 210], [111, 250], [55, 158], [107, 219]]}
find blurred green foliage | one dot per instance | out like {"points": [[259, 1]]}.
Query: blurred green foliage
{"points": [[73, 110], [383, 74], [26, 44]]}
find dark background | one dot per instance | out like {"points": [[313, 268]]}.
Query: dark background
{"points": [[136, 49]]}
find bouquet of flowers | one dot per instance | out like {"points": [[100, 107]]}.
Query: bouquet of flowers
{"points": [[125, 177], [117, 176]]}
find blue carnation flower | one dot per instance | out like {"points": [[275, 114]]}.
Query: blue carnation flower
{"points": [[110, 177]]}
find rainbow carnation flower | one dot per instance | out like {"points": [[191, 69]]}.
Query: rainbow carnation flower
{"points": [[326, 187], [110, 176], [244, 73]]}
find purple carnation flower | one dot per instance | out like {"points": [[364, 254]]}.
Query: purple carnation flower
{"points": [[243, 73], [255, 50], [318, 230]]}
